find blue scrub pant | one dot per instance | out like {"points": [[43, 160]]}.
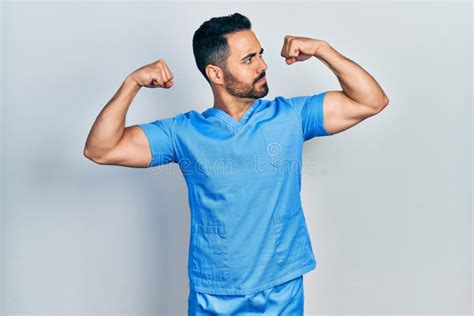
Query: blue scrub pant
{"points": [[283, 299]]}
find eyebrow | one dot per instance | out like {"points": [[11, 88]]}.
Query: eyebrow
{"points": [[252, 54]]}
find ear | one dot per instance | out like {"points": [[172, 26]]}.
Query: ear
{"points": [[215, 74]]}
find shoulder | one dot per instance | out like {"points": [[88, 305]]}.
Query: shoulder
{"points": [[187, 117], [281, 106], [277, 102], [192, 119]]}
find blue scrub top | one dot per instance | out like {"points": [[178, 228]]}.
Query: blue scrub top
{"points": [[248, 230]]}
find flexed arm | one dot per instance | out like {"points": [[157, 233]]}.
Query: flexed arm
{"points": [[361, 96], [109, 141]]}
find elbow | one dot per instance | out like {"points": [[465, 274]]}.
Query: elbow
{"points": [[385, 101], [88, 154], [382, 105], [93, 157]]}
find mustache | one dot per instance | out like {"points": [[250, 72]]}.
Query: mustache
{"points": [[261, 76]]}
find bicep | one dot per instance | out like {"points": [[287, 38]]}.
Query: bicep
{"points": [[145, 145], [341, 112], [133, 150]]}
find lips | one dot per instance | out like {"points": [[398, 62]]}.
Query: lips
{"points": [[264, 79]]}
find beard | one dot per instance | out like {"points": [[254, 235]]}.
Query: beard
{"points": [[241, 89]]}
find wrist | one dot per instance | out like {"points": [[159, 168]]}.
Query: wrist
{"points": [[132, 81], [319, 46]]}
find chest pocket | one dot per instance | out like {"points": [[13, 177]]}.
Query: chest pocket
{"points": [[281, 145]]}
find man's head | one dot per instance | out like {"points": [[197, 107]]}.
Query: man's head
{"points": [[228, 54]]}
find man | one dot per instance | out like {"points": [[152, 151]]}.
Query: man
{"points": [[241, 159]]}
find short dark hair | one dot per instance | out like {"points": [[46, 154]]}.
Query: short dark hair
{"points": [[210, 43]]}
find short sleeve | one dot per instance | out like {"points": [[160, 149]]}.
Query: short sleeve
{"points": [[310, 111], [160, 139]]}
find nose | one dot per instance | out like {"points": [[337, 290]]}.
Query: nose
{"points": [[262, 67]]}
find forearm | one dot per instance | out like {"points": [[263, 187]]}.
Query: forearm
{"points": [[109, 125], [356, 83]]}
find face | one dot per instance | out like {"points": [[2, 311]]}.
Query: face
{"points": [[245, 66]]}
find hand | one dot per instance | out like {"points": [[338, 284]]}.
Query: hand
{"points": [[296, 48], [154, 75]]}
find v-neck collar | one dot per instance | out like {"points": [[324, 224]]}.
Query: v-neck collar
{"points": [[229, 119]]}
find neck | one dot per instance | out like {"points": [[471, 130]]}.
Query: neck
{"points": [[234, 106]]}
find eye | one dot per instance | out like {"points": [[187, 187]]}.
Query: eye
{"points": [[249, 61]]}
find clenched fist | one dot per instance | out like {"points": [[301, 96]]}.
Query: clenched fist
{"points": [[298, 48], [154, 75]]}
